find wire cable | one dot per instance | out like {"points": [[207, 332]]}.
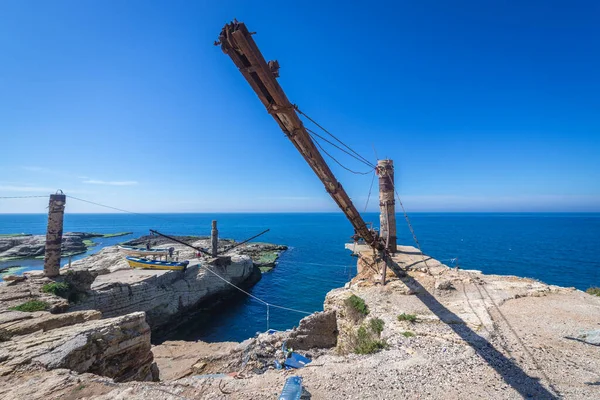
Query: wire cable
{"points": [[334, 159], [339, 148], [370, 189], [410, 227], [120, 209], [253, 296], [330, 134], [22, 197]]}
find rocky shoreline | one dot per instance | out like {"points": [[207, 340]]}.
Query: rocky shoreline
{"points": [[24, 246], [430, 332]]}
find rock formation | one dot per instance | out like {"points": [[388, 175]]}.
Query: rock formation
{"points": [[13, 247], [163, 295], [118, 348], [440, 333]]}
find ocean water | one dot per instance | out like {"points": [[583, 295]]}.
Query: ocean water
{"points": [[559, 249]]}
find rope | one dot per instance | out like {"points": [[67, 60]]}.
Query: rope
{"points": [[120, 209], [370, 189], [256, 298], [338, 140], [22, 197], [339, 148], [412, 231], [514, 332], [334, 159]]}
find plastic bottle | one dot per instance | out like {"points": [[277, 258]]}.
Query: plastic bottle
{"points": [[292, 390]]}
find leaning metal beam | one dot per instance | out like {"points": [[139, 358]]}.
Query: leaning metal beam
{"points": [[236, 41]]}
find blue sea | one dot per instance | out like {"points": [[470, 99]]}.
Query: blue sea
{"points": [[559, 249]]}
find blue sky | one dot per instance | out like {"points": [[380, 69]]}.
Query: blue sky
{"points": [[483, 106]]}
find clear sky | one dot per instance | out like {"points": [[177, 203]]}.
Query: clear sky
{"points": [[482, 105]]}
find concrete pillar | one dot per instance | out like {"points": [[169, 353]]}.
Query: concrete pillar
{"points": [[214, 238], [56, 212], [387, 203]]}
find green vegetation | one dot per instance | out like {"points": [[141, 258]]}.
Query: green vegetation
{"points": [[408, 334], [13, 269], [357, 304], [61, 289], [376, 325], [31, 306], [593, 291], [407, 317], [365, 342], [110, 235], [267, 258], [89, 243]]}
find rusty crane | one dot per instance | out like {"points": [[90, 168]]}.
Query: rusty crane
{"points": [[236, 41]]}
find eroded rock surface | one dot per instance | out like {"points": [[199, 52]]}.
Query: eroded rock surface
{"points": [[163, 295], [472, 336], [30, 246], [118, 348]]}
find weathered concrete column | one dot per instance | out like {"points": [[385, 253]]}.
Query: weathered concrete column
{"points": [[387, 203], [56, 212], [214, 238]]}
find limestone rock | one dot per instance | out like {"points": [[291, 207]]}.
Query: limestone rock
{"points": [[29, 246], [15, 323], [318, 330], [444, 285], [118, 348], [163, 295]]}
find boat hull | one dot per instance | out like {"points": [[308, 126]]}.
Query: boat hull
{"points": [[141, 252], [135, 262]]}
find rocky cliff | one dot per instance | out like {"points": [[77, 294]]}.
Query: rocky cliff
{"points": [[430, 332], [164, 295], [118, 348]]}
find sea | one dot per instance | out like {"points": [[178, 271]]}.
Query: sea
{"points": [[557, 248]]}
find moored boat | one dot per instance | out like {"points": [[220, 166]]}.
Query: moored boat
{"points": [[136, 262], [142, 251]]}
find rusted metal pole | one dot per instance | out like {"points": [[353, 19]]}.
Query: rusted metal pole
{"points": [[387, 203], [214, 238], [236, 41], [56, 212]]}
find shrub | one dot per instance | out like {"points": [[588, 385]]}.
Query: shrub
{"points": [[31, 306], [357, 304], [593, 291], [408, 334], [61, 289], [366, 344], [376, 325], [407, 317]]}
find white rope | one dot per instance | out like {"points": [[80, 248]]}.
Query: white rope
{"points": [[254, 297]]}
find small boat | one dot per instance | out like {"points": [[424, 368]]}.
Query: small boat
{"points": [[135, 262], [142, 251]]}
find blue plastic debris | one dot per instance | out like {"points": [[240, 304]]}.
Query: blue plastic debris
{"points": [[292, 390], [296, 360], [293, 359], [278, 364]]}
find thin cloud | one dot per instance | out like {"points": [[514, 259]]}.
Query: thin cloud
{"points": [[110, 183]]}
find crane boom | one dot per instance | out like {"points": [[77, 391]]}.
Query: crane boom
{"points": [[236, 41]]}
